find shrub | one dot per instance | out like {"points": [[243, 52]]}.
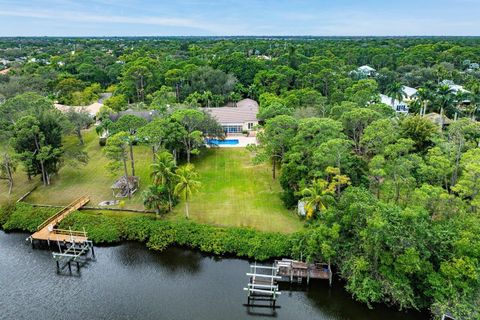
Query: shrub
{"points": [[157, 234], [26, 217]]}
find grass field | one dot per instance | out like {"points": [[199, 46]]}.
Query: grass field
{"points": [[234, 192], [92, 179]]}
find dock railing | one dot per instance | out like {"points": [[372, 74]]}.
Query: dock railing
{"points": [[78, 203]]}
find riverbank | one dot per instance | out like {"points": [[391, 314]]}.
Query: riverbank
{"points": [[160, 235], [128, 281], [157, 234]]}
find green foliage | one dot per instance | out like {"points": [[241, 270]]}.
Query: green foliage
{"points": [[24, 217], [117, 102], [157, 234]]}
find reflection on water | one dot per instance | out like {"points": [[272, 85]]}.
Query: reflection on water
{"points": [[130, 282]]}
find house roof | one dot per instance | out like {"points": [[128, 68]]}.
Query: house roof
{"points": [[122, 182], [91, 109], [438, 119], [245, 111], [455, 87], [5, 71], [388, 100], [409, 91], [366, 69]]}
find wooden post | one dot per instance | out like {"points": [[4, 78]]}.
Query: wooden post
{"points": [[58, 267], [69, 267], [329, 275]]}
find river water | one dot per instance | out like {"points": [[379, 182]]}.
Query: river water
{"points": [[130, 282]]}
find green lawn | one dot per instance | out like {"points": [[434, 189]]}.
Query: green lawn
{"points": [[234, 192], [21, 185], [92, 179]]}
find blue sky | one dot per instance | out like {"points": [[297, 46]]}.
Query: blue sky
{"points": [[247, 17]]}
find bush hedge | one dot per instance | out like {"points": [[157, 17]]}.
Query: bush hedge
{"points": [[157, 234]]}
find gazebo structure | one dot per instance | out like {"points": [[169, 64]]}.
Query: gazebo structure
{"points": [[125, 185]]}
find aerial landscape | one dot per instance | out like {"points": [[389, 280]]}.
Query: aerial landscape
{"points": [[239, 160]]}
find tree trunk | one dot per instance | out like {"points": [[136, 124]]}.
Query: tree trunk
{"points": [[131, 157], [80, 137], [9, 173], [154, 155], [142, 93], [170, 204], [457, 164], [126, 176], [186, 208], [273, 168], [188, 155], [42, 167]]}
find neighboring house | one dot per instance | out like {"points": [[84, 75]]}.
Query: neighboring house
{"points": [[455, 87], [236, 119], [398, 106], [410, 93], [5, 71], [367, 71], [473, 67], [147, 114], [92, 109]]}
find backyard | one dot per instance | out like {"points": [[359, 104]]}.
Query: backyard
{"points": [[234, 192]]}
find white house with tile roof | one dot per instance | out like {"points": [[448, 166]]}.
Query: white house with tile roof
{"points": [[236, 118]]}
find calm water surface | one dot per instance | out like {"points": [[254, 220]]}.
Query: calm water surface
{"points": [[130, 282]]}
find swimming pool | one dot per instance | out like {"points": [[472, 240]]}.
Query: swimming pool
{"points": [[223, 142]]}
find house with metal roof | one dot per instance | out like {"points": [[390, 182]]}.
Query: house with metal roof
{"points": [[409, 93], [367, 71], [238, 117]]}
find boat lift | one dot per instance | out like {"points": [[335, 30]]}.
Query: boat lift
{"points": [[262, 285]]}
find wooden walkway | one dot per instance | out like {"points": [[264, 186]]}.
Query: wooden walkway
{"points": [[298, 270], [48, 231]]}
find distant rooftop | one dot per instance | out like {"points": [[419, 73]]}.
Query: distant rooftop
{"points": [[409, 91], [145, 114]]}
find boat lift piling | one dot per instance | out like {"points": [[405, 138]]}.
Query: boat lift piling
{"points": [[73, 253]]}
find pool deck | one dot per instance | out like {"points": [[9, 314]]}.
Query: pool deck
{"points": [[242, 142]]}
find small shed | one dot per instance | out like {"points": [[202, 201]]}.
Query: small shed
{"points": [[125, 185], [301, 209]]}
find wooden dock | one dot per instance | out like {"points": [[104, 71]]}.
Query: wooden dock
{"points": [[73, 246], [293, 270], [47, 231]]}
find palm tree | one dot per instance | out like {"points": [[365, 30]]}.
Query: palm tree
{"points": [[163, 173], [187, 184], [316, 197], [207, 97], [395, 92], [445, 99], [154, 197], [425, 96]]}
